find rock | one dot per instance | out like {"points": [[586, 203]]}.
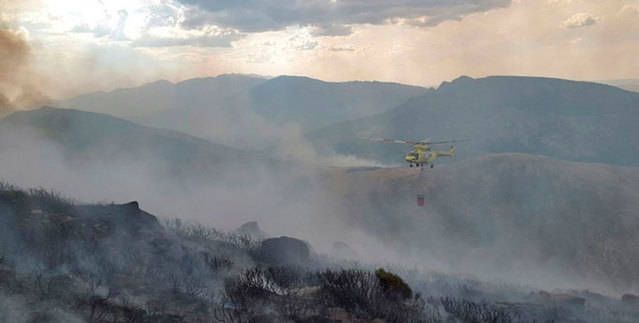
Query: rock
{"points": [[284, 250], [630, 299], [116, 217], [565, 299]]}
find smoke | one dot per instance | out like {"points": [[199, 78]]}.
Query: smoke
{"points": [[291, 202], [17, 309], [372, 212], [20, 85]]}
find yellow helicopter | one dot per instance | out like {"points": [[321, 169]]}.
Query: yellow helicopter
{"points": [[422, 154]]}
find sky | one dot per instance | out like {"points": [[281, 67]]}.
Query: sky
{"points": [[51, 49]]}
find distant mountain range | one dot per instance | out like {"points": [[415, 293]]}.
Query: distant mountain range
{"points": [[161, 96], [564, 119], [314, 103], [508, 214], [213, 107]]}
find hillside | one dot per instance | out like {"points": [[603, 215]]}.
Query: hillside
{"points": [[509, 216], [313, 103], [65, 262], [563, 119], [202, 93], [229, 108], [92, 138]]}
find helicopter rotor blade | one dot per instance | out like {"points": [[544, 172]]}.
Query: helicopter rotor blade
{"points": [[446, 141], [394, 141], [408, 142]]}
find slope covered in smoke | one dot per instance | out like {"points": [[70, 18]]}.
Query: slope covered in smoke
{"points": [[96, 157], [238, 109], [65, 262], [564, 119], [86, 137], [515, 217]]}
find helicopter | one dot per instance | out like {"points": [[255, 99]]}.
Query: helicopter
{"points": [[422, 154]]}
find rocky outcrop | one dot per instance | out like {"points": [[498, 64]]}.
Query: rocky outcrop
{"points": [[128, 217], [284, 250]]}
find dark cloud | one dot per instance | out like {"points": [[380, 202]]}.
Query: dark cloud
{"points": [[332, 17], [332, 30]]}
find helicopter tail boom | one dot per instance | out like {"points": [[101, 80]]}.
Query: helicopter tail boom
{"points": [[448, 153]]}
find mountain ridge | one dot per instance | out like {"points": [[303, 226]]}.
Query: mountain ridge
{"points": [[572, 120], [242, 103]]}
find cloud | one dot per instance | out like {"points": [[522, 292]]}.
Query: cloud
{"points": [[97, 30], [332, 30], [579, 20], [341, 49], [203, 40], [114, 30], [309, 45], [331, 17]]}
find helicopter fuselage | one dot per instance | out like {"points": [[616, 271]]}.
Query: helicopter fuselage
{"points": [[418, 157], [422, 156]]}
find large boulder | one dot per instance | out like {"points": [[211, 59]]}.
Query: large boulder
{"points": [[561, 298], [284, 250], [110, 218], [630, 299]]}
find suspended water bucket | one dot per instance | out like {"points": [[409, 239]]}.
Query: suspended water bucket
{"points": [[420, 200]]}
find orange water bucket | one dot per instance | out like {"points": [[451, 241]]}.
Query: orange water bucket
{"points": [[420, 200]]}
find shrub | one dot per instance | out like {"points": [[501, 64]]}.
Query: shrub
{"points": [[373, 295], [468, 311], [393, 285]]}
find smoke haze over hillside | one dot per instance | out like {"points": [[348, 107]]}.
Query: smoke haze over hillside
{"points": [[236, 187], [373, 212], [308, 161]]}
